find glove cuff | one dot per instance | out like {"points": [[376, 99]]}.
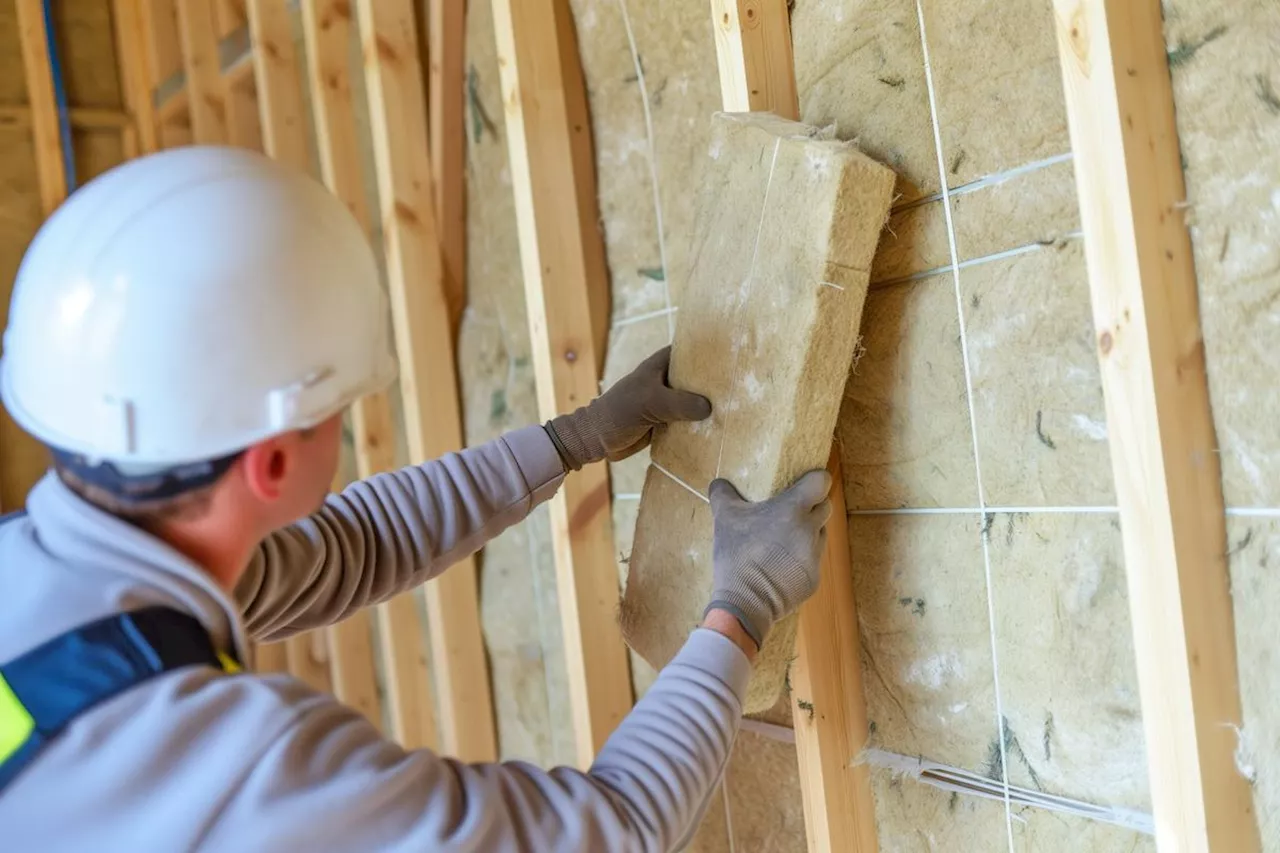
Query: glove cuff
{"points": [[721, 600], [577, 438]]}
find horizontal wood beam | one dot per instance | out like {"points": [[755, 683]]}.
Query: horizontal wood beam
{"points": [[84, 118]]}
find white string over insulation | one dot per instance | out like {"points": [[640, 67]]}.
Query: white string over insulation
{"points": [[747, 285], [973, 419], [699, 495], [653, 169]]}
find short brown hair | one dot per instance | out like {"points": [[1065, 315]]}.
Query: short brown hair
{"points": [[181, 507]]}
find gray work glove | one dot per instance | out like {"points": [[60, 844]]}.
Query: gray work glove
{"points": [[766, 554], [620, 421]]}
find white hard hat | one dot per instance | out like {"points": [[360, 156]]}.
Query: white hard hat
{"points": [[187, 304]]}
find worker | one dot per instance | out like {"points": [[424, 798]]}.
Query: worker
{"points": [[185, 333]]}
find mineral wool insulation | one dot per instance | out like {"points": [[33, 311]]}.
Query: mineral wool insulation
{"points": [[1060, 637]]}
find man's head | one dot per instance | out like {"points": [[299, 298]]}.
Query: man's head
{"points": [[187, 328], [269, 485]]}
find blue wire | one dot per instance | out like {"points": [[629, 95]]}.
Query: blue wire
{"points": [[60, 97]]}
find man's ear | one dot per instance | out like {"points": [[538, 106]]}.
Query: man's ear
{"points": [[265, 467]]}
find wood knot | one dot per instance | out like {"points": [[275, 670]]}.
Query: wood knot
{"points": [[1106, 342], [570, 356]]}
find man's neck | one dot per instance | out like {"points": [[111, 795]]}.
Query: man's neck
{"points": [[222, 553]]}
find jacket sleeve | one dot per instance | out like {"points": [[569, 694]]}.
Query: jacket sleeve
{"points": [[381, 536], [330, 782]]}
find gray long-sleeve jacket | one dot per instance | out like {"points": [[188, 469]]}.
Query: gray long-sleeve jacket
{"points": [[199, 760]]}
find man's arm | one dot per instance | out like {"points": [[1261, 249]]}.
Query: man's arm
{"points": [[389, 533], [329, 781]]}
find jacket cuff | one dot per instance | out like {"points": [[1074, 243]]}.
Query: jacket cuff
{"points": [[715, 654], [538, 460]]}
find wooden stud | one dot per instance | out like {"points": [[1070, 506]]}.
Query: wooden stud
{"points": [[136, 78], [42, 100], [270, 657], [163, 44], [447, 32], [284, 136], [236, 75], [206, 90], [428, 378], [87, 118], [229, 16], [1163, 450], [279, 89], [757, 68], [566, 284], [753, 44], [829, 707], [326, 27]]}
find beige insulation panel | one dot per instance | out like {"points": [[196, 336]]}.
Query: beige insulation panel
{"points": [[1060, 642], [787, 225]]}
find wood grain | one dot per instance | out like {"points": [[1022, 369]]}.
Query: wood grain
{"points": [[1163, 450], [757, 73], [566, 289], [424, 340], [327, 30]]}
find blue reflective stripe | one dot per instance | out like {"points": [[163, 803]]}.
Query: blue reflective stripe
{"points": [[70, 674]]}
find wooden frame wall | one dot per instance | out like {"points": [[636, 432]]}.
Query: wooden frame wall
{"points": [[829, 709], [1142, 283], [328, 29], [567, 297], [257, 102], [425, 340]]}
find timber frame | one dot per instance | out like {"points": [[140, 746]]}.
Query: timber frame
{"points": [[1142, 283], [176, 91], [178, 88]]}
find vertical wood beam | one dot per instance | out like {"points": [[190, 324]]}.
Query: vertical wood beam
{"points": [[757, 67], [566, 284], [327, 30], [279, 88], [829, 706], [284, 137], [757, 74], [1163, 449], [46, 127], [446, 54], [428, 377], [24, 458], [229, 16], [163, 43], [136, 78], [206, 90]]}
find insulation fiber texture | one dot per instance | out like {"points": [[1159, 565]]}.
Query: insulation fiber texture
{"points": [[786, 227]]}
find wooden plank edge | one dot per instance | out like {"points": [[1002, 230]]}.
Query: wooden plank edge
{"points": [[1143, 286], [828, 702], [544, 134], [42, 100], [428, 378]]}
